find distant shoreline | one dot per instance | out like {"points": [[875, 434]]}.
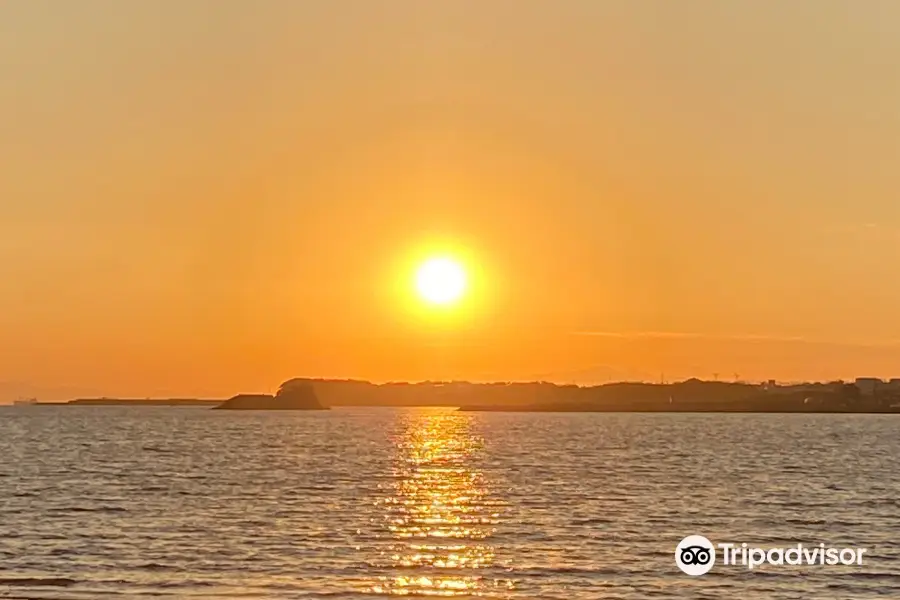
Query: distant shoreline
{"points": [[589, 409], [863, 396], [509, 409], [133, 402]]}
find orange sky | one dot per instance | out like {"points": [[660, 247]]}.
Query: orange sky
{"points": [[209, 197]]}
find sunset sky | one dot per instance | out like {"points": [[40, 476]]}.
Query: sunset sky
{"points": [[209, 197]]}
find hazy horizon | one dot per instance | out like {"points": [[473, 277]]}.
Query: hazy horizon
{"points": [[212, 197], [26, 392]]}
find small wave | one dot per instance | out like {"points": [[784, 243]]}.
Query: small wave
{"points": [[592, 521], [806, 521], [85, 509], [871, 576], [37, 581], [879, 502], [153, 566]]}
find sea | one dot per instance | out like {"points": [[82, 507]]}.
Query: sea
{"points": [[157, 502]]}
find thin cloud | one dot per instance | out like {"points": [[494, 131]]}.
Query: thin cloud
{"points": [[871, 231], [747, 337]]}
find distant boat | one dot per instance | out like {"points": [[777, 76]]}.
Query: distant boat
{"points": [[25, 402]]}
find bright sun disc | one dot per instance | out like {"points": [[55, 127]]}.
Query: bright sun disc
{"points": [[441, 281]]}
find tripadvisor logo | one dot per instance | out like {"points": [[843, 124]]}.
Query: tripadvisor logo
{"points": [[696, 555]]}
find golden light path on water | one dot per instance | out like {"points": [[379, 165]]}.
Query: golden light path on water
{"points": [[440, 513]]}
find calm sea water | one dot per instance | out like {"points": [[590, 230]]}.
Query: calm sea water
{"points": [[118, 502]]}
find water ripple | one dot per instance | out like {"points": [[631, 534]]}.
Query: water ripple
{"points": [[154, 502]]}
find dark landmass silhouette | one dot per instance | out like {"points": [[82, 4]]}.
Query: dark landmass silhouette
{"points": [[138, 401], [865, 395], [247, 402], [692, 395], [293, 395]]}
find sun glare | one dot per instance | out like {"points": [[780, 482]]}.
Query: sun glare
{"points": [[441, 281]]}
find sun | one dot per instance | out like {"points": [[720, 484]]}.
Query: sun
{"points": [[441, 281]]}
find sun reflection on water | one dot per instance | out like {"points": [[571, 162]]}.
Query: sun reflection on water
{"points": [[440, 514]]}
